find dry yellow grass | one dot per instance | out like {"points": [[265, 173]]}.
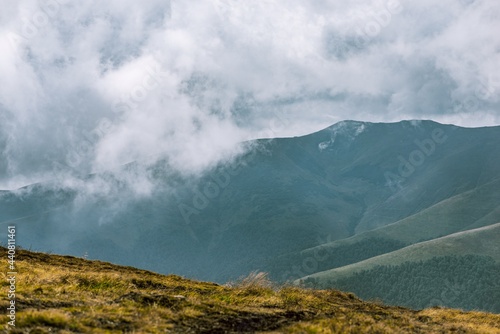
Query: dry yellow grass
{"points": [[61, 294]]}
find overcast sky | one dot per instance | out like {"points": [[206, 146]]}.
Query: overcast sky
{"points": [[90, 85]]}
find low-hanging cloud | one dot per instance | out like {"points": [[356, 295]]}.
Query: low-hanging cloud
{"points": [[89, 86]]}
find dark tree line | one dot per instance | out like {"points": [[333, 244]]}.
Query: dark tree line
{"points": [[329, 257], [468, 282]]}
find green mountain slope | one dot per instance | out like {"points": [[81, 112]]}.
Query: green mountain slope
{"points": [[471, 258], [470, 209]]}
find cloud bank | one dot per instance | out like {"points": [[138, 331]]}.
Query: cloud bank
{"points": [[88, 86]]}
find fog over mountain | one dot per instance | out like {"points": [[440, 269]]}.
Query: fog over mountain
{"points": [[374, 187], [90, 86]]}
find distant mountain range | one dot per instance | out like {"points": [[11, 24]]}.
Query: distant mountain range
{"points": [[337, 206]]}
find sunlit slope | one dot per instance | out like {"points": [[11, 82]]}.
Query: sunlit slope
{"points": [[482, 241], [468, 210], [468, 260]]}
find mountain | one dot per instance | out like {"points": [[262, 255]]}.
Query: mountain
{"points": [[464, 265], [361, 189], [63, 294], [468, 210]]}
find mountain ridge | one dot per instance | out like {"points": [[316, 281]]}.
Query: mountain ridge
{"points": [[493, 252], [474, 255]]}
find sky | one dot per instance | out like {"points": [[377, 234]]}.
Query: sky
{"points": [[86, 86]]}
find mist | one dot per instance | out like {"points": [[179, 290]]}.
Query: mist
{"points": [[88, 87]]}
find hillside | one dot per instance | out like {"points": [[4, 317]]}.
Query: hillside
{"points": [[469, 260], [61, 294], [468, 210]]}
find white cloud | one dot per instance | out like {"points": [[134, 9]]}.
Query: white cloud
{"points": [[98, 84]]}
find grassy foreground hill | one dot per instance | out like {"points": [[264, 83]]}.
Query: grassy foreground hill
{"points": [[63, 294]]}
